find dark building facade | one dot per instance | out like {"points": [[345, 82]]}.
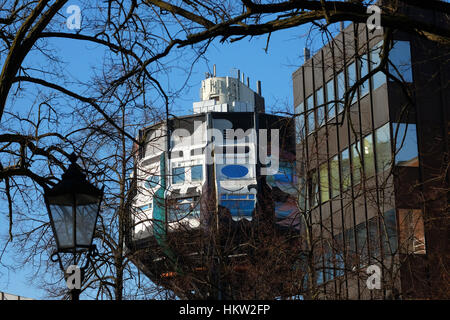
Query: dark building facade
{"points": [[373, 173]]}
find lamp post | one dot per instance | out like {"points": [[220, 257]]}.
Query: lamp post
{"points": [[73, 206]]}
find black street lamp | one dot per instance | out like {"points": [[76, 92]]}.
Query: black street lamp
{"points": [[73, 206]]}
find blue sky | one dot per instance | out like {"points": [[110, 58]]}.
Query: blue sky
{"points": [[273, 68]]}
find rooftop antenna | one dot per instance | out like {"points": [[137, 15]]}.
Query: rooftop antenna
{"points": [[258, 87], [214, 70]]}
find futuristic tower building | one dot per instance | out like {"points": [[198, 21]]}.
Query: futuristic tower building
{"points": [[199, 172]]}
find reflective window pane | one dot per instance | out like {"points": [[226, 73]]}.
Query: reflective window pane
{"points": [[284, 210], [320, 107], [340, 90], [363, 62], [362, 244], [302, 194], [351, 77], [300, 122], [324, 189], [356, 160], [374, 240], [389, 232], [186, 208], [334, 175], [339, 256], [310, 106], [313, 189], [400, 61], [177, 175], [329, 269], [345, 165], [383, 148], [369, 159], [350, 243], [239, 207], [197, 173], [285, 173], [379, 78], [406, 153], [152, 181], [330, 97]]}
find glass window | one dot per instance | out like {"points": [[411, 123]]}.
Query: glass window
{"points": [[300, 122], [328, 253], [356, 159], [324, 189], [411, 231], [330, 98], [369, 159], [319, 269], [339, 256], [178, 175], [374, 240], [361, 241], [313, 189], [363, 63], [340, 266], [350, 243], [383, 148], [400, 61], [185, 208], [389, 232], [284, 209], [320, 107], [310, 106], [345, 165], [144, 208], [302, 194], [239, 207], [351, 76], [340, 90], [197, 173], [151, 182], [406, 152], [334, 175], [378, 78], [285, 173]]}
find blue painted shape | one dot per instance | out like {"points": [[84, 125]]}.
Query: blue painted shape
{"points": [[235, 171]]}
